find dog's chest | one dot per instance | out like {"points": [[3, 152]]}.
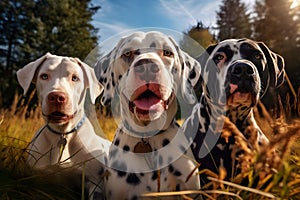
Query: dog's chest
{"points": [[144, 171]]}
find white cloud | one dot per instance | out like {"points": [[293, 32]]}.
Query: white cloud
{"points": [[188, 13]]}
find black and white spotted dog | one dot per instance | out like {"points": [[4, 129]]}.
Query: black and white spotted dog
{"points": [[235, 75], [147, 70]]}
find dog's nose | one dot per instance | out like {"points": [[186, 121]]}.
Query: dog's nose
{"points": [[146, 69], [57, 97], [242, 70]]}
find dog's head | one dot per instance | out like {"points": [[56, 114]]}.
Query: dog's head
{"points": [[147, 70], [61, 84], [239, 71]]}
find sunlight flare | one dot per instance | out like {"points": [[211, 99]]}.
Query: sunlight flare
{"points": [[295, 4]]}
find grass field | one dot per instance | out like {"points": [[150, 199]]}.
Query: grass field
{"points": [[270, 174]]}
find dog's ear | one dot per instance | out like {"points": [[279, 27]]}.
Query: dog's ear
{"points": [[90, 80], [275, 66], [202, 59], [26, 74], [104, 70], [190, 74]]}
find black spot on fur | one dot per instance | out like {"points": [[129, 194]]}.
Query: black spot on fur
{"points": [[177, 173], [113, 83], [132, 179], [177, 187], [192, 74], [171, 168], [165, 142], [126, 148], [104, 80], [117, 142], [121, 173], [154, 175]]}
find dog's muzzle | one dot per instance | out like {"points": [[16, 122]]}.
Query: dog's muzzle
{"points": [[243, 81], [147, 102]]}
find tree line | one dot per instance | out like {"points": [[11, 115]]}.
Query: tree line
{"points": [[30, 28]]}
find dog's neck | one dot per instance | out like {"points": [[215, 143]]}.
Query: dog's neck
{"points": [[239, 115]]}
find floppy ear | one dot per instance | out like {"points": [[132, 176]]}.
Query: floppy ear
{"points": [[275, 64], [90, 81], [190, 74], [202, 59], [26, 74], [104, 70]]}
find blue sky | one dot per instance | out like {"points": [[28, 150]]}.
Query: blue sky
{"points": [[117, 16]]}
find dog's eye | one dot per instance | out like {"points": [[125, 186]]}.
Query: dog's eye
{"points": [[44, 76], [258, 56], [167, 53], [219, 57], [128, 54], [75, 78]]}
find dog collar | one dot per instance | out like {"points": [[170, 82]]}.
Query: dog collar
{"points": [[145, 134], [63, 140], [80, 123]]}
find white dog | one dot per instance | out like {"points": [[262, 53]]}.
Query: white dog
{"points": [[68, 138], [149, 152]]}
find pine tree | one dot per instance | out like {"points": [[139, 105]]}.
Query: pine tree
{"points": [[277, 25], [31, 28], [233, 21]]}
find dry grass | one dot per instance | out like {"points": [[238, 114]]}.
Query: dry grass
{"points": [[272, 172]]}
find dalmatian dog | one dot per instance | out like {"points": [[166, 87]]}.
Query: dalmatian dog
{"points": [[147, 71], [68, 139], [236, 73]]}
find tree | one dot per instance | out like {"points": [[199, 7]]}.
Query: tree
{"points": [[233, 21], [196, 40], [31, 28], [61, 27], [278, 26]]}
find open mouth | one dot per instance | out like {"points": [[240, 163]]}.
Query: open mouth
{"points": [[58, 117], [147, 103], [241, 97], [238, 95]]}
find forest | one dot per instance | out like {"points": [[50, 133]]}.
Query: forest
{"points": [[31, 28]]}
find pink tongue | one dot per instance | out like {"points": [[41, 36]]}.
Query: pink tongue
{"points": [[146, 103]]}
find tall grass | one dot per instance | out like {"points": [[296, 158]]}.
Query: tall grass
{"points": [[17, 179], [272, 172]]}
